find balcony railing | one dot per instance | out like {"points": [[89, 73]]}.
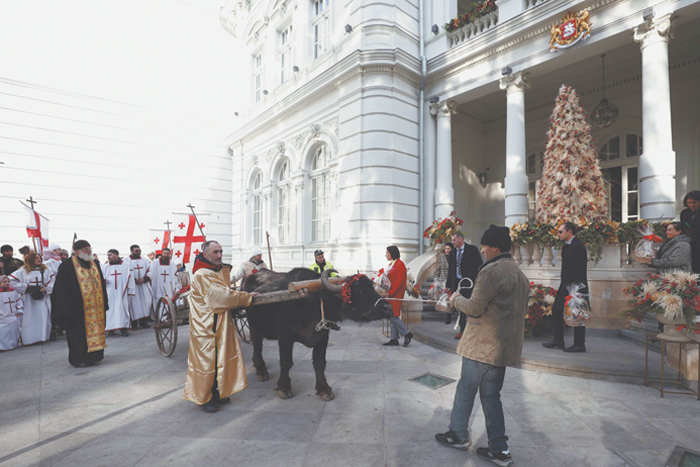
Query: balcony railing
{"points": [[479, 26]]}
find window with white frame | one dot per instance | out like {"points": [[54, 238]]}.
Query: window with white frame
{"points": [[258, 77], [320, 25], [284, 201], [619, 162], [257, 209], [321, 187], [285, 43]]}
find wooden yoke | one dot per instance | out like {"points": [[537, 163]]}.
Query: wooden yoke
{"points": [[314, 285], [279, 296]]}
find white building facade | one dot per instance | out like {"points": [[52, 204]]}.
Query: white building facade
{"points": [[347, 143]]}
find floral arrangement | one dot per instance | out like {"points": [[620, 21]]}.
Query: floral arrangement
{"points": [[594, 235], [539, 307], [474, 11], [441, 230], [674, 294]]}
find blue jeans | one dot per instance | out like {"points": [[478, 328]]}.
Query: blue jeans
{"points": [[488, 381], [397, 327]]}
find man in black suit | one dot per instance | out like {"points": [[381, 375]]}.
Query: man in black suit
{"points": [[464, 261], [573, 269]]}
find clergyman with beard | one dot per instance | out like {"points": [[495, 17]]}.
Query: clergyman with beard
{"points": [[79, 304]]}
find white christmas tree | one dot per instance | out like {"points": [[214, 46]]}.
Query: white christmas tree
{"points": [[572, 187]]}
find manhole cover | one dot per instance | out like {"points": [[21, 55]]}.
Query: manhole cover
{"points": [[683, 457], [432, 381]]}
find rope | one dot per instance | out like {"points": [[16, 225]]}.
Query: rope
{"points": [[325, 324]]}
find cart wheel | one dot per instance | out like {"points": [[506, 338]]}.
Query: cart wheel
{"points": [[240, 319], [166, 326]]}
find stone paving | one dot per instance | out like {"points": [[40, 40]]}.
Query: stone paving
{"points": [[129, 411]]}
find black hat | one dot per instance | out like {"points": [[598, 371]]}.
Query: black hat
{"points": [[80, 244], [498, 237], [5, 248], [318, 252]]}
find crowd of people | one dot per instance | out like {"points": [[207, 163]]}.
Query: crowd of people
{"points": [[39, 297], [77, 294]]}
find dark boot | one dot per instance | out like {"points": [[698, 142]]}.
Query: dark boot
{"points": [[144, 323]]}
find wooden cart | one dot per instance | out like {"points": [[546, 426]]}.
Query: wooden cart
{"points": [[169, 314]]}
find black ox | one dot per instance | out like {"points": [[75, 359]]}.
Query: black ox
{"points": [[298, 321]]}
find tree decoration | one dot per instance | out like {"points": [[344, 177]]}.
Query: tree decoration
{"points": [[571, 189]]}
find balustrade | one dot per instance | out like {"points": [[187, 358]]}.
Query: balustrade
{"points": [[478, 26]]}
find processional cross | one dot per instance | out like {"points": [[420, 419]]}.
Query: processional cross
{"points": [[32, 202]]}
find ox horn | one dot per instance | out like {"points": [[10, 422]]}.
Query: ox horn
{"points": [[327, 284]]}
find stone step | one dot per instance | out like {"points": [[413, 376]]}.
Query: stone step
{"points": [[639, 337]]}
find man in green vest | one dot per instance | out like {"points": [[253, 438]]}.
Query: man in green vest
{"points": [[321, 264]]}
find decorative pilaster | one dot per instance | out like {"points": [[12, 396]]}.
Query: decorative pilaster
{"points": [[657, 165], [516, 203], [444, 193]]}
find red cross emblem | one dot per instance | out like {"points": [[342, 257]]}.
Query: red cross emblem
{"points": [[189, 238], [157, 240], [181, 225]]}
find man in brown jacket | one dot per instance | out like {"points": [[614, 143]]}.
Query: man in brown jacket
{"points": [[492, 340]]}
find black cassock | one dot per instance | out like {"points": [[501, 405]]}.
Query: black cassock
{"points": [[67, 310]]}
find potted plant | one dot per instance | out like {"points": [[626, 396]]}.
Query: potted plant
{"points": [[441, 230]]}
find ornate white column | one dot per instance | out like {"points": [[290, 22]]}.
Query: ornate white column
{"points": [[428, 168], [657, 165], [444, 193], [516, 177]]}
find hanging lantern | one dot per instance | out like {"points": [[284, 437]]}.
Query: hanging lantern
{"points": [[605, 113]]}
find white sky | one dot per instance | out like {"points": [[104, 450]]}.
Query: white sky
{"points": [[166, 55]]}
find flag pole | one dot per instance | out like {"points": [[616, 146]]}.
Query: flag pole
{"points": [[197, 221], [75, 239], [269, 252]]}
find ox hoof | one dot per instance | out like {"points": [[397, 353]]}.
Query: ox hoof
{"points": [[327, 396], [285, 394], [263, 377]]}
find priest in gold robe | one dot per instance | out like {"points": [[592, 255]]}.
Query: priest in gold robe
{"points": [[79, 304], [215, 364]]}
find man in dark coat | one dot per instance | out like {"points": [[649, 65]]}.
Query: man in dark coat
{"points": [[464, 261], [79, 304], [8, 264], [573, 270]]}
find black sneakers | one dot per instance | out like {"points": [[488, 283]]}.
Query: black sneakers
{"points": [[501, 458], [407, 339], [451, 440], [392, 342]]}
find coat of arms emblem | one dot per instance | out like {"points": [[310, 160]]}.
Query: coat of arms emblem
{"points": [[572, 28]]}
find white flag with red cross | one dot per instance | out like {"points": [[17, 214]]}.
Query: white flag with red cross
{"points": [[188, 235], [160, 238], [37, 228]]}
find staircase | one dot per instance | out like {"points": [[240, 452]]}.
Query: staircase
{"points": [[429, 313], [638, 331]]}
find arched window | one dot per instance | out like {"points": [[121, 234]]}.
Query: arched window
{"points": [[619, 164], [320, 196], [257, 209], [284, 200], [320, 26]]}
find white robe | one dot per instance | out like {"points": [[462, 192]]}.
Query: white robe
{"points": [[53, 264], [36, 320], [11, 309], [118, 293], [164, 279], [140, 302]]}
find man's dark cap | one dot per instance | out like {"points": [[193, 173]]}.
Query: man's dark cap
{"points": [[5, 248], [80, 244], [498, 237], [318, 252]]}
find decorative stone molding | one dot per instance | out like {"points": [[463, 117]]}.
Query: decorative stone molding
{"points": [[517, 81], [332, 124], [443, 109], [315, 130], [299, 187], [280, 146], [660, 28]]}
